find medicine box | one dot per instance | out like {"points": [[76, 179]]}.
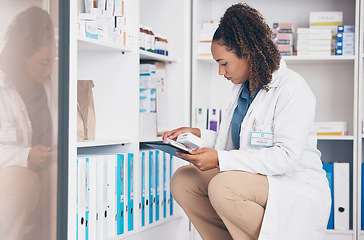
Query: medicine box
{"points": [[332, 128], [326, 18], [190, 140]]}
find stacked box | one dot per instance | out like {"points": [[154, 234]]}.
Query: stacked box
{"points": [[147, 85], [327, 20], [104, 21], [331, 128], [314, 42], [345, 40], [283, 37], [206, 33]]}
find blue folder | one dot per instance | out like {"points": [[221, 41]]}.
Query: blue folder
{"points": [[87, 189], [120, 193], [130, 192], [164, 186], [170, 177], [143, 189], [151, 185], [157, 187], [329, 168]]}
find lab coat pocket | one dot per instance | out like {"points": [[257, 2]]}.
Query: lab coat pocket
{"points": [[264, 127]]}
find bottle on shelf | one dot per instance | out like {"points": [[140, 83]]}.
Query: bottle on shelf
{"points": [[142, 37]]}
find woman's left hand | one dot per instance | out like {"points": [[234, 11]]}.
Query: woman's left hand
{"points": [[203, 158]]}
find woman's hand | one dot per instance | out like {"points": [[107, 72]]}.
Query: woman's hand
{"points": [[203, 158], [40, 156], [173, 134]]}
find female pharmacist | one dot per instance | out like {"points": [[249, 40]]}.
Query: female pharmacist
{"points": [[27, 126], [260, 176]]}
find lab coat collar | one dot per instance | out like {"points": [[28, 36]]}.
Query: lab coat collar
{"points": [[276, 75], [273, 84], [237, 88]]}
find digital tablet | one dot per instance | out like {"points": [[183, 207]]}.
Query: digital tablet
{"points": [[170, 147]]}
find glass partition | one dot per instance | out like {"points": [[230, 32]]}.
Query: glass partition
{"points": [[28, 119]]}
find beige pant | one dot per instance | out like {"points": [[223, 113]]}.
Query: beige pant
{"points": [[221, 205], [28, 203]]}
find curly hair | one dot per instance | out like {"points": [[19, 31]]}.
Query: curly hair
{"points": [[30, 29], [243, 30]]}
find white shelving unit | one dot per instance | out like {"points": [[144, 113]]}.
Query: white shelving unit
{"points": [[337, 82], [115, 72], [360, 53], [333, 79]]}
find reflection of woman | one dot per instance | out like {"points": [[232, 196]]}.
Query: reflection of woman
{"points": [[261, 176], [27, 121]]}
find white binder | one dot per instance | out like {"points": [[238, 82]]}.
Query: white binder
{"points": [[201, 118], [146, 177], [341, 196], [168, 199], [111, 195], [105, 210], [92, 227], [81, 198], [100, 197]]}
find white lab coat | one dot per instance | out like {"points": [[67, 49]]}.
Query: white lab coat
{"points": [[299, 199], [14, 115]]}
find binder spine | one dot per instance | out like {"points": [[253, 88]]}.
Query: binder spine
{"points": [[142, 193], [151, 185], [170, 177], [157, 187], [120, 194], [164, 203], [130, 191]]}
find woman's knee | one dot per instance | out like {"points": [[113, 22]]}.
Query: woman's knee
{"points": [[218, 189], [23, 196], [182, 179], [245, 186], [25, 184]]}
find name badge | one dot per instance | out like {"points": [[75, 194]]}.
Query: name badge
{"points": [[8, 135], [262, 139]]}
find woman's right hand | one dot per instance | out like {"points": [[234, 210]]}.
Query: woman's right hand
{"points": [[40, 156], [173, 134]]}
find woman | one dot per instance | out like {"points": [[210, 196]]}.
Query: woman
{"points": [[260, 176], [27, 127]]}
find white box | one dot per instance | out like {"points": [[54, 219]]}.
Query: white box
{"points": [[313, 53], [331, 128], [214, 119], [201, 118], [148, 125], [189, 140], [319, 31], [326, 18], [326, 42]]}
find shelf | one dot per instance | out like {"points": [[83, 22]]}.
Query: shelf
{"points": [[299, 59], [205, 58], [151, 139], [89, 44], [339, 234], [145, 55], [102, 142], [148, 226], [322, 137], [314, 59]]}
